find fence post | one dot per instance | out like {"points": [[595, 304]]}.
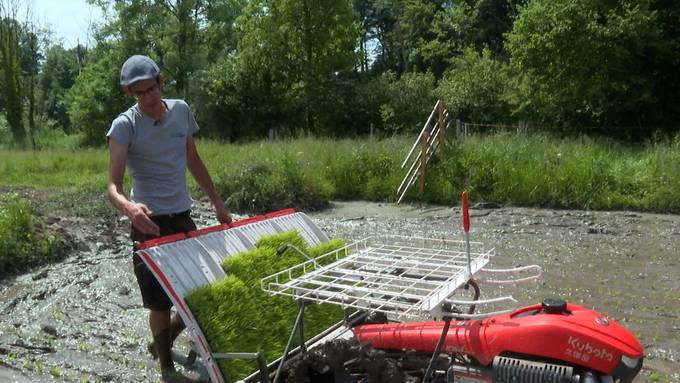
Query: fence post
{"points": [[459, 127], [442, 124], [423, 162]]}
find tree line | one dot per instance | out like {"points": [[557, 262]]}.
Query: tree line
{"points": [[256, 68]]}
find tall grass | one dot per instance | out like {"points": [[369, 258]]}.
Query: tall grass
{"points": [[533, 170], [54, 168], [577, 173]]}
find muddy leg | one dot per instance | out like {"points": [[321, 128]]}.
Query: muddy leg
{"points": [[176, 327], [159, 321]]}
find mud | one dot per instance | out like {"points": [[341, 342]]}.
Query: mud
{"points": [[81, 319]]}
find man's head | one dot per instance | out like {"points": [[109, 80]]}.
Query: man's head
{"points": [[141, 78]]}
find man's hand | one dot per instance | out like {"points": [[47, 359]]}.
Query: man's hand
{"points": [[223, 214], [139, 215]]}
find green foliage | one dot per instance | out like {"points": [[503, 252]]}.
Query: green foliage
{"points": [[21, 246], [287, 59], [57, 168], [409, 102], [473, 88], [237, 316], [10, 59], [368, 171], [96, 99], [547, 171], [584, 61], [525, 170], [60, 70], [264, 185]]}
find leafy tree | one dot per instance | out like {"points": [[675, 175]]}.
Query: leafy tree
{"points": [[482, 23], [584, 61], [59, 73], [402, 26], [180, 41], [666, 65], [474, 87], [293, 50], [31, 56], [221, 31], [10, 30], [410, 100], [96, 98]]}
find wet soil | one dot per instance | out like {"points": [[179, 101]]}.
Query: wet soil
{"points": [[81, 319]]}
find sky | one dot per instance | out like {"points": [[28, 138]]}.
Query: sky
{"points": [[68, 19]]}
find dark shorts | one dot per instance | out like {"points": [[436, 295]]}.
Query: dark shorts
{"points": [[153, 295]]}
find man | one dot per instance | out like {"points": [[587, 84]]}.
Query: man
{"points": [[154, 138]]}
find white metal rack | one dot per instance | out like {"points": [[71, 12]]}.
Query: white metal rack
{"points": [[406, 278]]}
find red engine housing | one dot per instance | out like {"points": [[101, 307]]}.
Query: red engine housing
{"points": [[573, 334]]}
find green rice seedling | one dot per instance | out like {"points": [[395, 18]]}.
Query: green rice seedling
{"points": [[658, 377], [57, 314], [237, 316], [55, 371]]}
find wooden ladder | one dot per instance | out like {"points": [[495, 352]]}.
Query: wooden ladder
{"points": [[431, 138]]}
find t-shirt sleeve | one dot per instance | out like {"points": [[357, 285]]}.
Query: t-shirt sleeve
{"points": [[121, 131], [192, 124]]}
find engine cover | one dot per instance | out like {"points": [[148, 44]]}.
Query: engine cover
{"points": [[572, 334]]}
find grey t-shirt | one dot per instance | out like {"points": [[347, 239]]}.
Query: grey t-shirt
{"points": [[157, 158]]}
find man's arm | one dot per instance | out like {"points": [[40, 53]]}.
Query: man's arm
{"points": [[137, 212], [202, 177]]}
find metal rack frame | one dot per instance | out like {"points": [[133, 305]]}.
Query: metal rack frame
{"points": [[406, 278], [403, 277]]}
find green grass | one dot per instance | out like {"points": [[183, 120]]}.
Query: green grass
{"points": [[237, 316], [576, 173], [58, 168], [531, 170]]}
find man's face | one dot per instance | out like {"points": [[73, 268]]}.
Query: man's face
{"points": [[146, 92]]}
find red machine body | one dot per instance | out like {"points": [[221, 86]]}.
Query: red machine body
{"points": [[569, 334]]}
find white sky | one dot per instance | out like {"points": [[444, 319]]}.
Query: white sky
{"points": [[68, 19]]}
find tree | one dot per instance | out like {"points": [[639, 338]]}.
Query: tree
{"points": [[10, 30], [181, 40], [409, 101], [482, 23], [473, 89], [59, 73], [295, 48], [31, 56], [96, 98], [666, 65], [584, 62]]}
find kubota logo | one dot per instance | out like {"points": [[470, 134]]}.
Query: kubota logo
{"points": [[583, 351]]}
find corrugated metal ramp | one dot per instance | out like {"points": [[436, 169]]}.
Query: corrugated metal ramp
{"points": [[183, 262]]}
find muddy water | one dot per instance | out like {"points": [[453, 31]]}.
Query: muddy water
{"points": [[81, 319]]}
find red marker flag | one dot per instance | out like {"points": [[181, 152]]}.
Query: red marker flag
{"points": [[466, 216]]}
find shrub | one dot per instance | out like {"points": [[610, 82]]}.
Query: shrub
{"points": [[21, 246], [266, 185]]}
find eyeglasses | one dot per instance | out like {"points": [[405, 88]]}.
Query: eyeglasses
{"points": [[148, 91]]}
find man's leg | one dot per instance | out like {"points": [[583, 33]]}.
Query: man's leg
{"points": [[159, 321], [176, 327]]}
